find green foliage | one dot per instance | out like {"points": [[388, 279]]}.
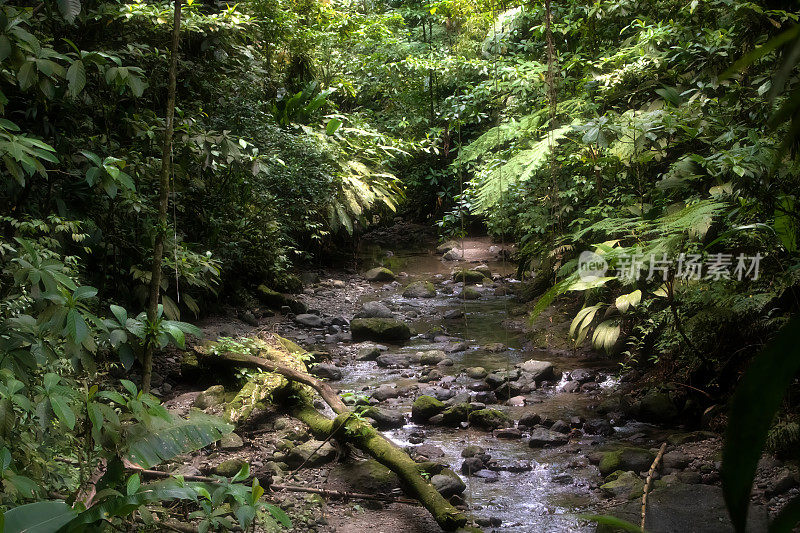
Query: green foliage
{"points": [[756, 402]]}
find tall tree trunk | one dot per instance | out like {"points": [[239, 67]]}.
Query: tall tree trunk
{"points": [[163, 198]]}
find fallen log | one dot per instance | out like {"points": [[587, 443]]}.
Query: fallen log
{"points": [[350, 429]]}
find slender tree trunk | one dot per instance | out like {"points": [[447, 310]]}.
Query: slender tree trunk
{"points": [[158, 248]]}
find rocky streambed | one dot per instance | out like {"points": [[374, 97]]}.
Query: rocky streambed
{"points": [[511, 421]]}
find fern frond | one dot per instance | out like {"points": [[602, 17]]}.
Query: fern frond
{"points": [[519, 169]]}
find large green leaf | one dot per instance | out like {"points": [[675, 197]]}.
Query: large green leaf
{"points": [[123, 505], [39, 517], [158, 440], [785, 222], [76, 76], [758, 397]]}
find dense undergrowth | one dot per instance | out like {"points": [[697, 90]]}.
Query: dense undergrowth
{"points": [[612, 128]]}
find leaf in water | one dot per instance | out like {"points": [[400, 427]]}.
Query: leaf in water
{"points": [[758, 397]]}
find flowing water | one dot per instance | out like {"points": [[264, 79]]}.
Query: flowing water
{"points": [[560, 483]]}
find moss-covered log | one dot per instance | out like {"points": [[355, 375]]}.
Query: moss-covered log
{"points": [[285, 372], [362, 435]]}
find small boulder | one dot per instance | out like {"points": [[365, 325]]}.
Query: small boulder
{"points": [[453, 254], [276, 300], [446, 247], [537, 370], [545, 438], [374, 309], [453, 314], [431, 357], [231, 441], [626, 485], [476, 372], [379, 274], [657, 406], [385, 392], [312, 453], [425, 407], [394, 360], [489, 419], [483, 269], [229, 468], [420, 289], [309, 320], [472, 450], [468, 277], [530, 420], [470, 293], [369, 352], [448, 483], [327, 371], [454, 415], [211, 397], [380, 329], [628, 458], [384, 418]]}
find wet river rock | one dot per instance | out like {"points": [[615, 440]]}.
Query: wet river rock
{"points": [[380, 329], [374, 309], [425, 407], [546, 438], [469, 277], [379, 274], [489, 419], [419, 289]]}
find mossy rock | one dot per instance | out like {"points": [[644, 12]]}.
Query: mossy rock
{"points": [[657, 406], [420, 289], [489, 419], [453, 416], [470, 293], [276, 300], [213, 396], [190, 367], [625, 485], [229, 468], [446, 247], [311, 453], [379, 329], [431, 357], [425, 407], [264, 385], [379, 274], [288, 282], [628, 458], [469, 277]]}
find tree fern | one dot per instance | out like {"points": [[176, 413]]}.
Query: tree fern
{"points": [[519, 169]]}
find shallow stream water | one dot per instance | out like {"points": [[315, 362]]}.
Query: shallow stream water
{"points": [[560, 484]]}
